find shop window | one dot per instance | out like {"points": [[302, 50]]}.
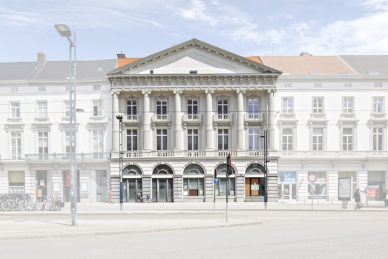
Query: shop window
{"points": [[220, 187], [287, 186], [193, 187], [16, 182], [376, 184], [320, 186]]}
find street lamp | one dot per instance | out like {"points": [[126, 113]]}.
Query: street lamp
{"points": [[65, 31], [121, 153], [265, 168]]}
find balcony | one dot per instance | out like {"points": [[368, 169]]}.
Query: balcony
{"points": [[356, 154], [62, 157], [133, 154], [164, 119], [132, 119], [224, 153], [194, 153], [223, 119], [254, 117], [162, 153], [376, 118]]}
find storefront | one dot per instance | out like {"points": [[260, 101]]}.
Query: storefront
{"points": [[41, 184], [162, 184], [376, 184], [132, 183], [16, 182], [193, 181], [287, 186], [220, 186], [320, 190], [254, 181]]}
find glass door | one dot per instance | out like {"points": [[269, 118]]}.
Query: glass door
{"points": [[132, 195], [162, 190], [169, 190]]}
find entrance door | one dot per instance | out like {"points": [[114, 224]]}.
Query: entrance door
{"points": [[162, 190], [102, 188], [131, 187], [289, 190], [41, 181], [252, 185]]}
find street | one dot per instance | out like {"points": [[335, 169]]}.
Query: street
{"points": [[283, 234]]}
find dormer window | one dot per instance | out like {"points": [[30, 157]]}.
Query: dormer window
{"points": [[151, 72], [193, 72]]}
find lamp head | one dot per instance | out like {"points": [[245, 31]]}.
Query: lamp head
{"points": [[119, 117], [63, 30]]}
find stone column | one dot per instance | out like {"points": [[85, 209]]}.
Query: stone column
{"points": [[240, 120], [178, 122], [146, 121], [271, 119], [115, 122], [209, 121]]}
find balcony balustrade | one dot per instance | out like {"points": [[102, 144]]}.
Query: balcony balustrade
{"points": [[223, 117], [161, 118], [194, 153], [59, 157], [224, 153], [254, 117], [333, 153], [133, 154], [162, 153], [192, 118]]}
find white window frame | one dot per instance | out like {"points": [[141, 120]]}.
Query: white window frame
{"points": [[156, 139], [382, 138], [315, 110], [192, 105], [98, 140], [161, 106], [317, 84], [288, 109], [15, 111], [248, 138], [287, 85], [67, 109], [39, 109], [227, 105], [288, 139], [223, 139], [345, 104], [193, 137], [378, 84], [323, 138], [45, 140], [131, 136], [18, 147], [348, 84], [347, 139], [97, 106], [374, 103]]}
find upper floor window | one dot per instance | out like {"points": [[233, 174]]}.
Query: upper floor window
{"points": [[318, 85], [68, 142], [192, 141], [348, 85], [98, 141], [287, 105], [223, 139], [193, 72], [131, 107], [253, 106], [287, 138], [378, 104], [192, 106], [14, 89], [151, 72], [254, 138], [378, 85], [67, 109], [43, 142], [347, 139], [42, 109], [287, 85], [161, 139], [377, 138], [318, 105], [97, 108], [348, 105], [131, 139], [222, 105], [161, 107], [16, 145], [96, 87], [317, 139], [42, 89], [15, 110]]}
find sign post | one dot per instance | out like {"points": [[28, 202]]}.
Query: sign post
{"points": [[214, 196], [228, 171], [312, 179], [282, 180], [366, 195], [345, 190]]}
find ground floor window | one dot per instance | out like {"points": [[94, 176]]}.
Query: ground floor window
{"points": [[220, 187], [193, 187], [16, 182], [320, 186], [132, 188], [41, 184], [162, 190], [287, 185], [254, 186], [376, 184]]}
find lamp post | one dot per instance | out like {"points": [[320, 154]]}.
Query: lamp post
{"points": [[121, 153], [65, 31], [265, 168]]}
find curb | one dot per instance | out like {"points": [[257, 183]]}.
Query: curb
{"points": [[118, 232]]}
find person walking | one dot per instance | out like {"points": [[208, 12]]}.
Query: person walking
{"points": [[385, 196], [357, 198]]}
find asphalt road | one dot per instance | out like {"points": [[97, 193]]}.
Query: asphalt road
{"points": [[347, 234]]}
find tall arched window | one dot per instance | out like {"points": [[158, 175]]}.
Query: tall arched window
{"points": [[193, 169], [193, 186], [220, 186], [163, 170], [132, 170], [255, 169]]}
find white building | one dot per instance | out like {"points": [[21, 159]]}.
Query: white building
{"points": [[34, 125]]}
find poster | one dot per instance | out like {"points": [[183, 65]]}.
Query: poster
{"points": [[41, 182], [373, 191], [344, 188]]}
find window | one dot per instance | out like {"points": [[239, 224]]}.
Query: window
{"points": [[15, 110], [193, 72], [97, 108], [98, 141], [378, 85], [287, 105], [254, 138], [287, 138], [253, 108], [16, 181], [67, 142], [16, 146], [220, 187], [96, 87], [348, 85], [222, 139], [193, 187], [377, 139], [317, 84], [318, 105], [378, 104], [67, 109], [320, 185], [43, 142], [287, 85], [192, 106], [347, 139], [161, 139], [317, 139], [132, 109], [41, 89], [131, 140], [42, 109], [161, 107], [151, 72], [376, 184], [348, 105], [222, 105], [14, 89], [192, 141]]}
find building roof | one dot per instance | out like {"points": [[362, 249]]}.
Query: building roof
{"points": [[124, 61], [367, 64], [305, 65], [255, 58], [55, 70]]}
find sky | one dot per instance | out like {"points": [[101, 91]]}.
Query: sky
{"points": [[140, 28]]}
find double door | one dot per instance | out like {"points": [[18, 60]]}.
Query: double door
{"points": [[162, 190], [288, 190], [131, 189]]}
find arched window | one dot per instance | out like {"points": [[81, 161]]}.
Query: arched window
{"points": [[221, 169], [255, 169], [162, 169], [131, 170], [193, 169]]}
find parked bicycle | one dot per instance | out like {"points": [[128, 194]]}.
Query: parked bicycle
{"points": [[24, 202]]}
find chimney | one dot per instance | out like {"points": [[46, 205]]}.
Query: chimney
{"points": [[41, 58], [305, 54], [122, 55]]}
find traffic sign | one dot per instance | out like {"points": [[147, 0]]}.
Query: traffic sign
{"points": [[216, 180], [312, 178]]}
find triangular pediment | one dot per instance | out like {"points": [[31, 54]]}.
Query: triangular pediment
{"points": [[194, 55]]}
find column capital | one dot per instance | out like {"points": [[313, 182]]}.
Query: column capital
{"points": [[146, 91], [177, 91], [115, 91], [241, 90], [271, 90], [209, 91]]}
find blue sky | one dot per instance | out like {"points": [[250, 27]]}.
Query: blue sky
{"points": [[142, 27]]}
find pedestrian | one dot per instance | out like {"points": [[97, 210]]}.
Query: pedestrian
{"points": [[385, 196], [357, 198]]}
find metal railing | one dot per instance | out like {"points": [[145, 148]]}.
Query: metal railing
{"points": [[254, 117], [54, 156]]}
